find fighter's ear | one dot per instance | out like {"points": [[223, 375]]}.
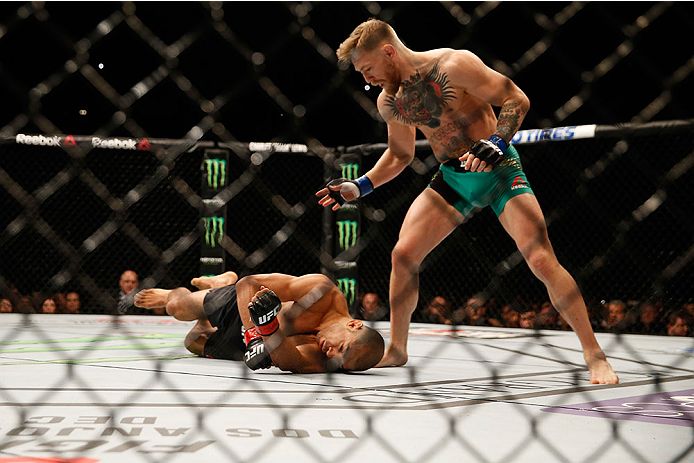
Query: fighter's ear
{"points": [[388, 50], [357, 324]]}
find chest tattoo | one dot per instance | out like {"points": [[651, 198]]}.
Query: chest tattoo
{"points": [[422, 100]]}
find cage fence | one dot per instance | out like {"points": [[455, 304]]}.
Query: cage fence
{"points": [[147, 207], [79, 209]]}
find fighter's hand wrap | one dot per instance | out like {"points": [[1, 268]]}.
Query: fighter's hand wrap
{"points": [[250, 334], [359, 187], [256, 356], [490, 151], [264, 313]]}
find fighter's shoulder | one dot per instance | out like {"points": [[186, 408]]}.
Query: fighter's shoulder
{"points": [[449, 59], [384, 104]]}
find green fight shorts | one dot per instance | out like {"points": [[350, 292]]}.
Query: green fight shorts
{"points": [[467, 190]]}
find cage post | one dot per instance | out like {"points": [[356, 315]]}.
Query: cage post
{"points": [[215, 177]]}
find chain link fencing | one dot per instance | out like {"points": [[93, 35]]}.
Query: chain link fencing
{"points": [[214, 76]]}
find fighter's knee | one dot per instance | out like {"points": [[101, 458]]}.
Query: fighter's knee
{"points": [[402, 257], [542, 261]]}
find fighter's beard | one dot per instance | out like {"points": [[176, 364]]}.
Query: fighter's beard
{"points": [[392, 80], [391, 88]]}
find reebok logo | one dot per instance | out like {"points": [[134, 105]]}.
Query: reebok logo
{"points": [[52, 140], [114, 143], [519, 183], [144, 145]]}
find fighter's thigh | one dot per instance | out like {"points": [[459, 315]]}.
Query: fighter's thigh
{"points": [[429, 220], [523, 220]]}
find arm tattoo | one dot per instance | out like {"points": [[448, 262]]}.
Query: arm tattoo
{"points": [[510, 117], [422, 100]]}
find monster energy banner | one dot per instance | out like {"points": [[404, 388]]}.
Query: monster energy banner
{"points": [[347, 224], [215, 178], [346, 234], [349, 170], [214, 231], [347, 282]]}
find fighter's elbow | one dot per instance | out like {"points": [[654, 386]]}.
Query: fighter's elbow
{"points": [[521, 99], [246, 281], [524, 101], [404, 157]]}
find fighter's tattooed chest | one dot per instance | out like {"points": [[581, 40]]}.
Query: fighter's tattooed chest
{"points": [[422, 100]]}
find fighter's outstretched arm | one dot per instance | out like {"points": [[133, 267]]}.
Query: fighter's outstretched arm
{"points": [[398, 155]]}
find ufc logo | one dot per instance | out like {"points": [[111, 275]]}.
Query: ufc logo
{"points": [[267, 318], [255, 350]]}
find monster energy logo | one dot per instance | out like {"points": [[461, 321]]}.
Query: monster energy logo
{"points": [[347, 233], [216, 172], [347, 286], [350, 171], [214, 230]]}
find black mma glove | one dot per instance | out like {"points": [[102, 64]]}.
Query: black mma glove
{"points": [[490, 151], [256, 356], [264, 313], [359, 187]]}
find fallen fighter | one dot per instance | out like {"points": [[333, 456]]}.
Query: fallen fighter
{"points": [[299, 324]]}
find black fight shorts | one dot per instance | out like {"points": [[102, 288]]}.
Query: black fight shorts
{"points": [[222, 311]]}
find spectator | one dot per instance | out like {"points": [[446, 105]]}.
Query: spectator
{"points": [[128, 289], [679, 324], [617, 320], [510, 315], [473, 313], [371, 308], [512, 318], [60, 302], [25, 305], [5, 305], [438, 311], [73, 303], [48, 305], [648, 319], [547, 318], [689, 308], [527, 319], [36, 299]]}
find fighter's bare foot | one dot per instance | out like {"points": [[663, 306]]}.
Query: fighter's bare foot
{"points": [[392, 358], [601, 371], [216, 281], [152, 298]]}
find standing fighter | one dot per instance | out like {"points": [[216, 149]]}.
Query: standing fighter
{"points": [[448, 95], [298, 324]]}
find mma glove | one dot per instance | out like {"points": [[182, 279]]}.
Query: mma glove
{"points": [[264, 313], [359, 187], [256, 356], [490, 151]]}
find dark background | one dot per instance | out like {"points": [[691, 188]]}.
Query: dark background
{"points": [[582, 41], [245, 71]]}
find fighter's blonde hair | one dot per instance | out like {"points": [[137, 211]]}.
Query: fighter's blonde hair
{"points": [[366, 36]]}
